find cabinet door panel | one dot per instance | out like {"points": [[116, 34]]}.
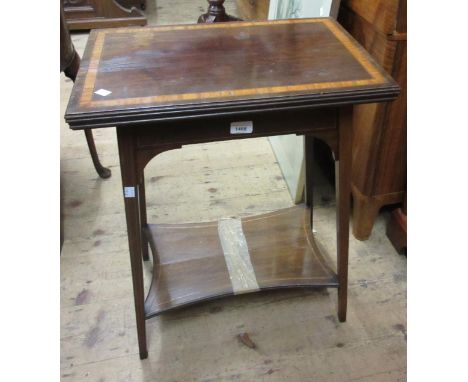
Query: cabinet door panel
{"points": [[91, 14], [382, 14], [80, 9]]}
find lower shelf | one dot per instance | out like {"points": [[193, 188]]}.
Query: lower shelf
{"points": [[190, 264]]}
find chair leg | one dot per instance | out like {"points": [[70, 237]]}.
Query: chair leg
{"points": [[71, 70], [102, 171]]}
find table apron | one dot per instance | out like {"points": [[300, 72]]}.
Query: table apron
{"points": [[176, 134]]}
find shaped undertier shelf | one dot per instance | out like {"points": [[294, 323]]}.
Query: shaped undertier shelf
{"points": [[191, 264]]}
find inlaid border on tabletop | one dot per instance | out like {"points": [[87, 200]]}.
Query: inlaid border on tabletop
{"points": [[88, 89], [85, 111]]}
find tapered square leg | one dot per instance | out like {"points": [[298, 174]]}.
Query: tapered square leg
{"points": [[130, 183], [143, 216], [343, 198], [309, 159]]}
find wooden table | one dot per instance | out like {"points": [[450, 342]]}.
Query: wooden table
{"points": [[170, 86]]}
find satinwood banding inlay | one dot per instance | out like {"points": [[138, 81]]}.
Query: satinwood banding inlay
{"points": [[96, 69]]}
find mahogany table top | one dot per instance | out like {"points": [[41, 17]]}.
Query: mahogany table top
{"points": [[131, 75]]}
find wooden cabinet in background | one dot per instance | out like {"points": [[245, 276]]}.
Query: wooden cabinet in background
{"points": [[140, 4], [379, 147], [91, 14], [397, 230]]}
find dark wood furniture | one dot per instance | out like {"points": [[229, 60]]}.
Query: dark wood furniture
{"points": [[129, 4], [280, 77], [397, 230], [91, 14], [216, 13], [379, 148], [69, 65], [256, 10]]}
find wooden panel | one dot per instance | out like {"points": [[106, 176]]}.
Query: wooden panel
{"points": [[253, 9], [157, 69], [379, 152], [269, 63], [76, 9], [90, 14], [376, 43], [218, 129], [381, 171], [129, 4], [401, 26], [367, 129], [392, 155], [191, 265], [368, 119], [396, 229], [382, 14]]}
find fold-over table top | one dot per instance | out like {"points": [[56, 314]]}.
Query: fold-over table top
{"points": [[131, 75]]}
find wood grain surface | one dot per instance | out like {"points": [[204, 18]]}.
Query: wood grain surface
{"points": [[253, 9], [382, 14], [379, 150], [191, 267], [167, 73]]}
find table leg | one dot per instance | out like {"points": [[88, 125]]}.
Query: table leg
{"points": [[102, 171], [343, 196], [143, 217], [216, 13], [130, 182]]}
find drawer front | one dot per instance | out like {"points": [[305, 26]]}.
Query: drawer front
{"points": [[80, 9]]}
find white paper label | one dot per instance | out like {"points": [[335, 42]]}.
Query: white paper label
{"points": [[103, 92], [244, 127], [129, 192]]}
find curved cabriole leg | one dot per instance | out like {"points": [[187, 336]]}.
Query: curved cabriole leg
{"points": [[102, 171], [71, 71]]}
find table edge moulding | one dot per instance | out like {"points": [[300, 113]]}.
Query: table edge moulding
{"points": [[87, 113]]}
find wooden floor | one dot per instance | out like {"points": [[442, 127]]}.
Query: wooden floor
{"points": [[296, 332]]}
